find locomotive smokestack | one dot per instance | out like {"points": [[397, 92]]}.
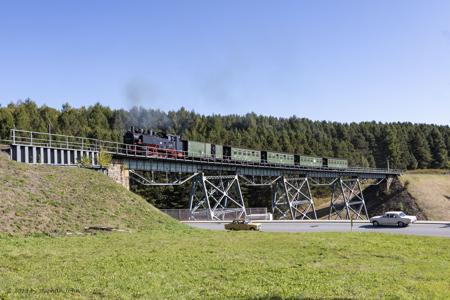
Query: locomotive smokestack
{"points": [[132, 129]]}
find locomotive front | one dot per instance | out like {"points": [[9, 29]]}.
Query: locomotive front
{"points": [[132, 137]]}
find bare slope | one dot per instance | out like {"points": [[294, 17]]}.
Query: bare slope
{"points": [[431, 192], [60, 199]]}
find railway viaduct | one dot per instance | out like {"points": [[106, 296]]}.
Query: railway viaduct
{"points": [[215, 185]]}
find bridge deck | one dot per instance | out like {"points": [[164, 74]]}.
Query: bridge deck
{"points": [[139, 158]]}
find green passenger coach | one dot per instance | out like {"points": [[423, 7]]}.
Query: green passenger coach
{"points": [[203, 150], [198, 149], [310, 161], [217, 151], [336, 163], [277, 158], [249, 155]]}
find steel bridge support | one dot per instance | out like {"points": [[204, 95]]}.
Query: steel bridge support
{"points": [[347, 200], [219, 196], [292, 199]]}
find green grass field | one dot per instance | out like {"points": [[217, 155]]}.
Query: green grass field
{"points": [[159, 258], [195, 264]]}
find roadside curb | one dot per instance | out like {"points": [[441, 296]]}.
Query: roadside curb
{"points": [[314, 221]]}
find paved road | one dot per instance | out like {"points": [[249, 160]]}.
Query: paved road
{"points": [[416, 229]]}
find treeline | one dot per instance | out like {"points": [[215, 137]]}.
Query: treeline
{"points": [[366, 144]]}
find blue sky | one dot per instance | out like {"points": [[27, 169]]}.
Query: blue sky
{"points": [[324, 60]]}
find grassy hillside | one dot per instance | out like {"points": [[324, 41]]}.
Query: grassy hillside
{"points": [[59, 199], [431, 193]]}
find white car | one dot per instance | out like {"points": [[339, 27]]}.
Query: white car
{"points": [[393, 218]]}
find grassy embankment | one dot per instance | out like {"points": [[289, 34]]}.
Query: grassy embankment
{"points": [[162, 259], [431, 191], [60, 199]]}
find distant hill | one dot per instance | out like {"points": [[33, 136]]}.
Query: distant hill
{"points": [[51, 199]]}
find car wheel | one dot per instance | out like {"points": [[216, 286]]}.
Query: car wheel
{"points": [[375, 224], [401, 224]]}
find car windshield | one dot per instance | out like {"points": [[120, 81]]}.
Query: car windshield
{"points": [[402, 214]]}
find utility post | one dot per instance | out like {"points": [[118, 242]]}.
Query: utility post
{"points": [[351, 223]]}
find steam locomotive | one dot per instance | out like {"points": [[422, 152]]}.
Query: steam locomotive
{"points": [[172, 146]]}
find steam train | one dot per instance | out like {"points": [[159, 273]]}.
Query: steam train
{"points": [[172, 146]]}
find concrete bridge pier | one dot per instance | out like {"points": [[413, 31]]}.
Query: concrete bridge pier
{"points": [[120, 174], [385, 186]]}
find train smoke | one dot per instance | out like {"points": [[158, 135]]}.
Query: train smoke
{"points": [[139, 91]]}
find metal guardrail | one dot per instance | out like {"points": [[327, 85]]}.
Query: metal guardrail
{"points": [[50, 140], [226, 215]]}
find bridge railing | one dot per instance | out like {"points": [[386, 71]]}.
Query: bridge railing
{"points": [[51, 140]]}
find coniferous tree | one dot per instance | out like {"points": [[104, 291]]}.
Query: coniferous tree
{"points": [[438, 149], [391, 147], [421, 150], [6, 122]]}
